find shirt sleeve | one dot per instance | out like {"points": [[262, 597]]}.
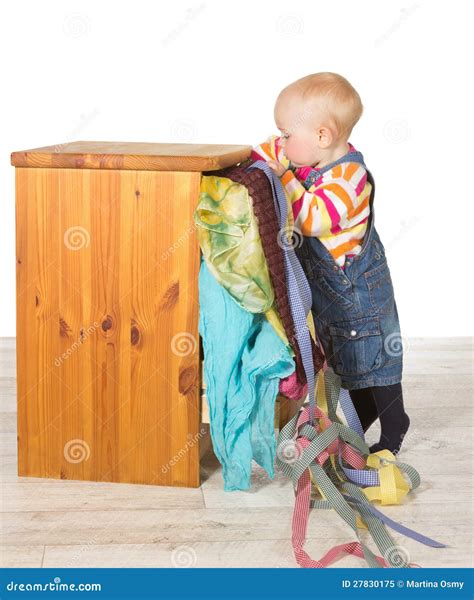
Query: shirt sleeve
{"points": [[270, 149], [338, 200]]}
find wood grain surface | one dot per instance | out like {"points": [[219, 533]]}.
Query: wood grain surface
{"points": [[107, 325], [145, 156]]}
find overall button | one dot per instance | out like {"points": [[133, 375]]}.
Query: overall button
{"points": [[353, 332]]}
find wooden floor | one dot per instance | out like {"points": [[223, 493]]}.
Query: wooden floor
{"points": [[54, 523]]}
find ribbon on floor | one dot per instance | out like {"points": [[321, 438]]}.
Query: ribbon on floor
{"points": [[304, 453]]}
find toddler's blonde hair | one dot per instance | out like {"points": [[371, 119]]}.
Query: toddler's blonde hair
{"points": [[331, 94]]}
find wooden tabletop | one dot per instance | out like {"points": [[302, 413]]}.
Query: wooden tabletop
{"points": [[145, 156]]}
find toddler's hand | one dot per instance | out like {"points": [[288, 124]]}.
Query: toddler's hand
{"points": [[277, 167]]}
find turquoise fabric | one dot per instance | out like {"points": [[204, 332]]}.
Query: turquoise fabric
{"points": [[244, 360]]}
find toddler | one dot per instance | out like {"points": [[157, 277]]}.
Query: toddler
{"points": [[331, 193]]}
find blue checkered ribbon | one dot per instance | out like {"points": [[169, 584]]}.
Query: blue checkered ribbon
{"points": [[363, 478], [419, 537], [350, 412], [299, 292]]}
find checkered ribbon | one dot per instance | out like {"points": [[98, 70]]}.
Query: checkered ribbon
{"points": [[306, 455], [299, 292]]}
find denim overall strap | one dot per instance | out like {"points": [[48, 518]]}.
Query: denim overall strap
{"points": [[317, 246], [315, 173]]}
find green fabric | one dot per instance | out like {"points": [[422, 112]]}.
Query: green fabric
{"points": [[230, 242]]}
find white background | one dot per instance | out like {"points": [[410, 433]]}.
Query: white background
{"points": [[209, 72]]}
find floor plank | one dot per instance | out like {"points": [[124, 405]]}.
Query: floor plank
{"points": [[57, 523], [249, 554]]}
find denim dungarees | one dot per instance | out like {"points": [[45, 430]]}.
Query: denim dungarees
{"points": [[354, 308]]}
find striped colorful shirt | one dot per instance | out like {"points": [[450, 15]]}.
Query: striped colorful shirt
{"points": [[335, 208]]}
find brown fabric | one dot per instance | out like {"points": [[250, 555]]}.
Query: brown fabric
{"points": [[260, 191]]}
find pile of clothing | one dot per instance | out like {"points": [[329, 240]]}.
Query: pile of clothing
{"points": [[258, 338], [245, 321]]}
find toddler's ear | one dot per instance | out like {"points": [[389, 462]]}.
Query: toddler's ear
{"points": [[325, 137]]}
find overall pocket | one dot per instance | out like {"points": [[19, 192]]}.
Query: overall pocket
{"points": [[379, 284], [334, 285], [356, 346]]}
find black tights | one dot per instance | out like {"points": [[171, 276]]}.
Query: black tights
{"points": [[385, 403]]}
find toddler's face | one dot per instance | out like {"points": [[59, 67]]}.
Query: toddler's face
{"points": [[298, 126], [300, 147]]}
